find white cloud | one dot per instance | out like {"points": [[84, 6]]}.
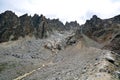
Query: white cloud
{"points": [[66, 10]]}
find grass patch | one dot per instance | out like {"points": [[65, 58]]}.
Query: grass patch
{"points": [[6, 65], [3, 66]]}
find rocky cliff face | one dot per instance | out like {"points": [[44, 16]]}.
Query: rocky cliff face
{"points": [[12, 27], [104, 31], [8, 24]]}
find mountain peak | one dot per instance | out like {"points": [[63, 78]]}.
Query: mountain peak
{"points": [[93, 20]]}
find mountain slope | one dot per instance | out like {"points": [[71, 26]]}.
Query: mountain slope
{"points": [[37, 48], [104, 31]]}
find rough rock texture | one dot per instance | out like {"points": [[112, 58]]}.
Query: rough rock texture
{"points": [[37, 48], [12, 27], [29, 59], [8, 24], [72, 25], [104, 31], [105, 68]]}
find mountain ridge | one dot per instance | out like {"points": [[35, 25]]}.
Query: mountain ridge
{"points": [[38, 48], [39, 26]]}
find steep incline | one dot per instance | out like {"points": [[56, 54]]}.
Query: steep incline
{"points": [[91, 43], [104, 31], [67, 64], [76, 62]]}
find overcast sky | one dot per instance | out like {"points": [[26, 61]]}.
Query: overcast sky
{"points": [[65, 10]]}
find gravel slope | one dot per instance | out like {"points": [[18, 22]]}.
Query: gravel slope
{"points": [[29, 59]]}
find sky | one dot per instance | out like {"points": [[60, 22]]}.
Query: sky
{"points": [[65, 10]]}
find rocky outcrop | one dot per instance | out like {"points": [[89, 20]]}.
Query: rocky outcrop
{"points": [[26, 24], [8, 24], [106, 68], [12, 27], [104, 31], [92, 25], [51, 50], [72, 25]]}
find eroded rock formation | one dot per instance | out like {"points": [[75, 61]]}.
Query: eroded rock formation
{"points": [[37, 48]]}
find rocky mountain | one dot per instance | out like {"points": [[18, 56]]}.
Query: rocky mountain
{"points": [[12, 27], [39, 48], [104, 31]]}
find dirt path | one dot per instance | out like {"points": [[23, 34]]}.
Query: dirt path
{"points": [[31, 72]]}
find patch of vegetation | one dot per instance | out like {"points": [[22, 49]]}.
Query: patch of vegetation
{"points": [[6, 65], [3, 66]]}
